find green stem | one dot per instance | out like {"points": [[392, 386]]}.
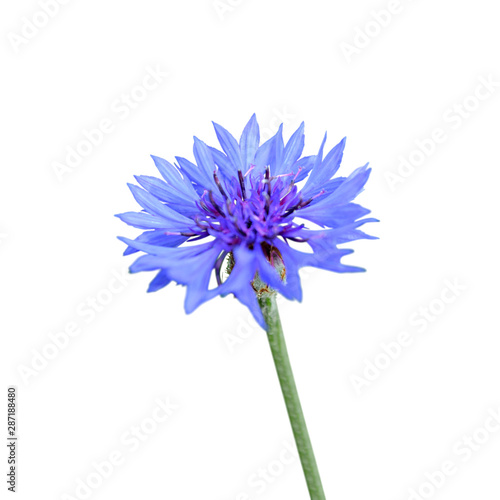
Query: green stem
{"points": [[280, 355]]}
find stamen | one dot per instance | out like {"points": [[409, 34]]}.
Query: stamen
{"points": [[268, 202], [298, 172], [287, 195], [219, 185], [304, 204], [230, 206], [199, 222], [242, 184], [204, 206], [292, 209], [200, 237], [239, 229], [295, 238], [215, 204], [250, 169]]}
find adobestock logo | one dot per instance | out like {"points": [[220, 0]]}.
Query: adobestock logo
{"points": [[222, 7], [121, 108], [453, 119], [279, 116], [59, 340], [31, 27], [266, 475], [462, 450], [419, 322], [130, 441], [246, 326], [365, 34]]}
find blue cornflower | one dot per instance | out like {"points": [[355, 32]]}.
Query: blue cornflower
{"points": [[244, 201]]}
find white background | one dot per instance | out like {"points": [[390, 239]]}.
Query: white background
{"points": [[283, 60]]}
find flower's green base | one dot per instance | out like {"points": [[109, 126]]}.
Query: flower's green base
{"points": [[280, 355]]}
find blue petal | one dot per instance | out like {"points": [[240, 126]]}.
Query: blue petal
{"points": [[330, 186], [326, 215], [324, 171], [239, 282], [172, 175], [265, 154], [356, 234], [325, 256], [278, 151], [305, 164], [249, 142], [333, 237], [159, 281], [292, 151], [351, 187], [173, 253], [205, 161], [142, 220], [156, 207], [319, 156], [178, 201], [194, 174], [222, 161], [190, 266], [196, 273], [230, 146], [147, 263], [337, 192], [293, 262], [159, 238]]}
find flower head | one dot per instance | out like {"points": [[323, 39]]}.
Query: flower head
{"points": [[242, 204]]}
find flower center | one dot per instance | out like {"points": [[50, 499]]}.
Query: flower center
{"points": [[251, 209]]}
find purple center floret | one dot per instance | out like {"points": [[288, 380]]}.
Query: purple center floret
{"points": [[251, 210]]}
